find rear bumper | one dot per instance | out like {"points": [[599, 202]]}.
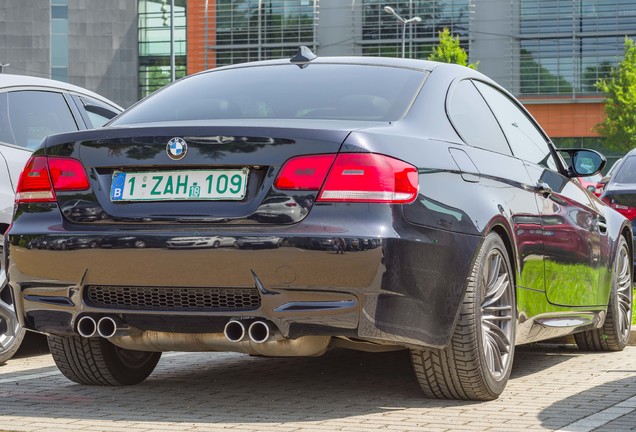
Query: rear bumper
{"points": [[402, 288]]}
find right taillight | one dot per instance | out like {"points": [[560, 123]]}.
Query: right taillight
{"points": [[370, 177], [351, 177], [42, 176]]}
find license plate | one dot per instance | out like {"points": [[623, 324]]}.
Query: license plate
{"points": [[179, 185]]}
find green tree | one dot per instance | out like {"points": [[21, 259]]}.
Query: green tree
{"points": [[449, 51], [619, 126]]}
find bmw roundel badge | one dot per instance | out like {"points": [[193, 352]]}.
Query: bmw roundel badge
{"points": [[176, 148]]}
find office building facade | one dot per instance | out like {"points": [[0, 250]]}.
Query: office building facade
{"points": [[90, 43], [548, 53]]}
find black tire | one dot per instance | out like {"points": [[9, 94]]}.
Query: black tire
{"points": [[96, 361], [11, 332], [476, 364], [614, 335]]}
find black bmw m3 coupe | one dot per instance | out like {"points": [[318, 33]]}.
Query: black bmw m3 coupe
{"points": [[364, 203]]}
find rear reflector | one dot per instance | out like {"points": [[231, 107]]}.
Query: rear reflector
{"points": [[43, 175], [351, 177]]}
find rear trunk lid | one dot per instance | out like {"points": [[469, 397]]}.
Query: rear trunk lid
{"points": [[212, 173]]}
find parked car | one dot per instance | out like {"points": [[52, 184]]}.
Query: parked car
{"points": [[620, 191], [600, 188], [30, 109], [592, 183], [435, 162]]}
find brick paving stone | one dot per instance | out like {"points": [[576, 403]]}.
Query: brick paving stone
{"points": [[550, 388]]}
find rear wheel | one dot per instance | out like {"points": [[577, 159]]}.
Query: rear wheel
{"points": [[97, 361], [476, 364], [614, 335], [11, 332]]}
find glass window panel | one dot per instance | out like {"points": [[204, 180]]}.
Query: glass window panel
{"points": [[526, 141], [59, 26], [59, 12], [329, 92], [474, 120], [36, 114], [59, 73], [59, 50]]}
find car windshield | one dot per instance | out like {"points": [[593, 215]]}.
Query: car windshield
{"points": [[626, 172], [318, 91]]}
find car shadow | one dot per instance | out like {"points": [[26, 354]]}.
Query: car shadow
{"points": [[593, 401], [235, 388]]}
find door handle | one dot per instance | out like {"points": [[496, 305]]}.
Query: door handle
{"points": [[544, 189]]}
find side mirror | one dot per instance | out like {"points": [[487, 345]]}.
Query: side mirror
{"points": [[584, 162]]}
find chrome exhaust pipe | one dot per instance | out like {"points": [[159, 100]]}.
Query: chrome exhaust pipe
{"points": [[259, 332], [86, 327], [234, 331], [106, 327]]}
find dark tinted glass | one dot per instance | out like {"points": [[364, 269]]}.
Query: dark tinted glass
{"points": [[626, 172], [36, 114], [526, 141], [319, 91], [474, 120]]}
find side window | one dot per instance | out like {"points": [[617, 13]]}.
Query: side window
{"points": [[474, 121], [94, 112], [525, 139], [35, 114]]}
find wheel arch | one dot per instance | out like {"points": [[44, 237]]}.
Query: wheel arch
{"points": [[503, 230]]}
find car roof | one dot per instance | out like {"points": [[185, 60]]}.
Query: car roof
{"points": [[423, 65], [8, 81]]}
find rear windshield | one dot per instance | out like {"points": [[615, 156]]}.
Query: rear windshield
{"points": [[319, 91], [626, 172]]}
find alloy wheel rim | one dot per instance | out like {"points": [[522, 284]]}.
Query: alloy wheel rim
{"points": [[624, 291], [9, 325], [496, 314]]}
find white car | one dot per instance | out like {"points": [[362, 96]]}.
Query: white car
{"points": [[200, 242], [30, 109]]}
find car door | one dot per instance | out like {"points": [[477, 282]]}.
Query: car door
{"points": [[502, 177], [570, 224]]}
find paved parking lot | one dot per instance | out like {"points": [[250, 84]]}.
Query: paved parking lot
{"points": [[552, 388]]}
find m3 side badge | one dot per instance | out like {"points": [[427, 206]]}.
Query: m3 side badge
{"points": [[176, 148]]}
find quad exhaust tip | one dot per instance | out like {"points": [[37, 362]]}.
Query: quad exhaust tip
{"points": [[259, 332], [234, 331], [106, 327], [86, 327]]}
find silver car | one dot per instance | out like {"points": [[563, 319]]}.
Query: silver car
{"points": [[30, 109]]}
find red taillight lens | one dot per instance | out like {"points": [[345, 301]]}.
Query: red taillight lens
{"points": [[67, 174], [304, 172], [369, 177], [627, 211], [351, 177], [42, 176]]}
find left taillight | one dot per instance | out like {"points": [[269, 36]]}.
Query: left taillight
{"points": [[43, 175], [624, 204]]}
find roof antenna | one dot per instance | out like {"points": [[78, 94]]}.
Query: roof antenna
{"points": [[303, 57]]}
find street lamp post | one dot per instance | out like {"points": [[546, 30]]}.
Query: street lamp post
{"points": [[391, 11]]}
